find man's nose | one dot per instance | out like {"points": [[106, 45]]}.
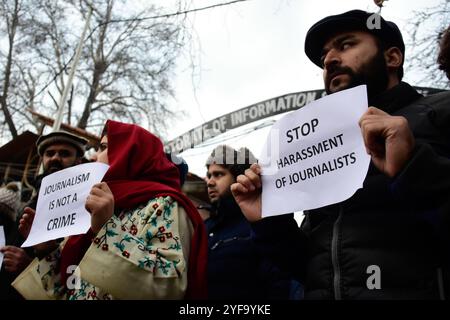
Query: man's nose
{"points": [[331, 58], [94, 157], [56, 156], [210, 182]]}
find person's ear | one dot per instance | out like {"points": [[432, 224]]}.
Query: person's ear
{"points": [[393, 57]]}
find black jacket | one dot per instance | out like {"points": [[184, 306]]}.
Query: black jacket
{"points": [[393, 232], [236, 270]]}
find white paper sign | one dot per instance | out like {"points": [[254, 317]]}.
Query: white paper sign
{"points": [[315, 156], [2, 243], [60, 208]]}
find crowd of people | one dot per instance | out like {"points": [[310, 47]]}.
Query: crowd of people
{"points": [[148, 241]]}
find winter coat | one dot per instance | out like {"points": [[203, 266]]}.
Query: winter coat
{"points": [[236, 270], [390, 240]]}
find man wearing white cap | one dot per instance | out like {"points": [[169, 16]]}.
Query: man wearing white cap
{"points": [[60, 150]]}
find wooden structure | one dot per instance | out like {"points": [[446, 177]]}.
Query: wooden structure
{"points": [[18, 159]]}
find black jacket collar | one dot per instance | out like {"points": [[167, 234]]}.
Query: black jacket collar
{"points": [[395, 98], [226, 209]]}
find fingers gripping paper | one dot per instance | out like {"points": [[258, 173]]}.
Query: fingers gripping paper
{"points": [[315, 156], [60, 208], [2, 243]]}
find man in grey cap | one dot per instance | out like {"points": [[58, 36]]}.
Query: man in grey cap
{"points": [[390, 240], [58, 150]]}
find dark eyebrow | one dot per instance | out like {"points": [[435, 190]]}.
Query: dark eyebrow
{"points": [[214, 172], [344, 37]]}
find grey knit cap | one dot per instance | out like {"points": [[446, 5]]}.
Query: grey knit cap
{"points": [[10, 200], [61, 137], [237, 161]]}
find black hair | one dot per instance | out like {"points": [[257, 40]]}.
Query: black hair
{"points": [[444, 52], [382, 46]]}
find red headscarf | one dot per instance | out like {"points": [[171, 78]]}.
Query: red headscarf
{"points": [[139, 171]]}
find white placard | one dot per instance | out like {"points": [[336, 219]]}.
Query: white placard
{"points": [[2, 243], [315, 156], [60, 208]]}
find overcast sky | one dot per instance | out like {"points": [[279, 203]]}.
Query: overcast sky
{"points": [[252, 51]]}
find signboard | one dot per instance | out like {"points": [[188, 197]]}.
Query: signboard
{"points": [[60, 208], [315, 156]]}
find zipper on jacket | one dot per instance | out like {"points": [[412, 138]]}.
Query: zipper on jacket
{"points": [[223, 241], [440, 281], [334, 256]]}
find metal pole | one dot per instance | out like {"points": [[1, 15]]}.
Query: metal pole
{"points": [[73, 67]]}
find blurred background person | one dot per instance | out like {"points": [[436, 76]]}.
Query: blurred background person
{"points": [[15, 259]]}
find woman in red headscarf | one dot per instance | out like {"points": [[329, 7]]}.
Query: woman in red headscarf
{"points": [[146, 241]]}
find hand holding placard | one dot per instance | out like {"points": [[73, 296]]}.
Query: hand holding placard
{"points": [[2, 243], [247, 192], [100, 204], [388, 140], [315, 156], [292, 174], [25, 223]]}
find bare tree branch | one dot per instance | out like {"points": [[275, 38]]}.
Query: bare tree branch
{"points": [[424, 30]]}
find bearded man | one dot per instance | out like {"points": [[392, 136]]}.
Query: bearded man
{"points": [[390, 240]]}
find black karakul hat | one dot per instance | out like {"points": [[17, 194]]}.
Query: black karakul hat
{"points": [[352, 20]]}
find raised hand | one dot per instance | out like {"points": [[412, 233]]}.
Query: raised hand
{"points": [[247, 192], [41, 249], [100, 204], [26, 221], [388, 140]]}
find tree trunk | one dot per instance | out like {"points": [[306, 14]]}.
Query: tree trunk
{"points": [[3, 98], [100, 66], [82, 123]]}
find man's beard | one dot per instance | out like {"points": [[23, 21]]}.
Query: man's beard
{"points": [[216, 201], [55, 166], [374, 74]]}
